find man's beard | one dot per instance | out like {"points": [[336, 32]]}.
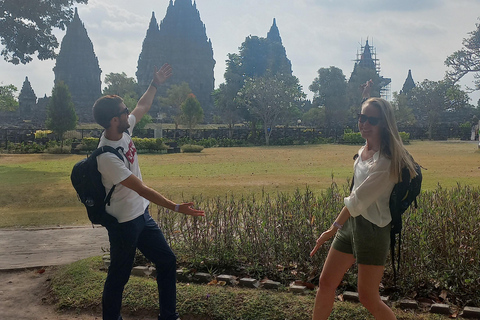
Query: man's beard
{"points": [[123, 127]]}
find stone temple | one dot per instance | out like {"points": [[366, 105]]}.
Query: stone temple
{"points": [[77, 66], [181, 41]]}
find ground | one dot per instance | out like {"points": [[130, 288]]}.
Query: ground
{"points": [[24, 295]]}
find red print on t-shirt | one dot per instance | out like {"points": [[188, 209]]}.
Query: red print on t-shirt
{"points": [[131, 152]]}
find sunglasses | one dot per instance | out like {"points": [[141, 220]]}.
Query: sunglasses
{"points": [[372, 120], [122, 112]]}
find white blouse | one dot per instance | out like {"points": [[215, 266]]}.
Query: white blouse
{"points": [[371, 190]]}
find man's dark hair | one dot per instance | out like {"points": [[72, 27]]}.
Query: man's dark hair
{"points": [[105, 108]]}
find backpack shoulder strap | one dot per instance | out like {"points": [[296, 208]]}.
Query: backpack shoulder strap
{"points": [[355, 156], [104, 149]]}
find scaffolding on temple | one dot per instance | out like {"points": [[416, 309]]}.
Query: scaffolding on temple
{"points": [[367, 58]]}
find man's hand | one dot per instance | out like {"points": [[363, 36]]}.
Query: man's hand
{"points": [[160, 76], [145, 102], [187, 208]]}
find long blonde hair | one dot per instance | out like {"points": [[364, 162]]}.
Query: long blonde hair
{"points": [[391, 144]]}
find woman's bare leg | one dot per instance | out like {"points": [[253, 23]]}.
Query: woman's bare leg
{"points": [[336, 264], [369, 278]]}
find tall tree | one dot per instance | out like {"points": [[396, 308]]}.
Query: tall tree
{"points": [[271, 98], [120, 84], [61, 116], [403, 112], [226, 102], [176, 95], [466, 60], [431, 98], [123, 86], [258, 57], [226, 96], [330, 88], [26, 27], [314, 117], [7, 98], [192, 112]]}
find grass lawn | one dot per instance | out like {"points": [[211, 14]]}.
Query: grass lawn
{"points": [[35, 190]]}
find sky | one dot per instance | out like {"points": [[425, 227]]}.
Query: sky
{"points": [[407, 34]]}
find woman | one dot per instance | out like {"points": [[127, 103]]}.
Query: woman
{"points": [[362, 229]]}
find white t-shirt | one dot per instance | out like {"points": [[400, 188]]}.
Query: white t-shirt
{"points": [[371, 191], [125, 204]]}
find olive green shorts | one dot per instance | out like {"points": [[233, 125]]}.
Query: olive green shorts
{"points": [[368, 243]]}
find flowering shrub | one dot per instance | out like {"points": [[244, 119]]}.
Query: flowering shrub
{"points": [[39, 134]]}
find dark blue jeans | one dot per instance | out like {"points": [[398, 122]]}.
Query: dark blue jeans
{"points": [[142, 233]]}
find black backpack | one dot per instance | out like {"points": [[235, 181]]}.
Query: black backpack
{"points": [[404, 193], [87, 181]]}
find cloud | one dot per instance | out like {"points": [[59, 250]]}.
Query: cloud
{"points": [[379, 6]]}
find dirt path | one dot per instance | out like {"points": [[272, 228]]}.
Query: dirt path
{"points": [[36, 248], [24, 296], [24, 290]]}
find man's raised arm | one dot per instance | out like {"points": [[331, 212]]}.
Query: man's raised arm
{"points": [[145, 102]]}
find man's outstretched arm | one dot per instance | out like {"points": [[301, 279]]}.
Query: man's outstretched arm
{"points": [[145, 102], [137, 185]]}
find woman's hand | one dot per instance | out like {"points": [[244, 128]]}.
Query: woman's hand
{"points": [[323, 237]]}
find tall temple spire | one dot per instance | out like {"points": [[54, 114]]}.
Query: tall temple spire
{"points": [[366, 59], [77, 66], [409, 84], [274, 34], [367, 66], [26, 100], [183, 43]]}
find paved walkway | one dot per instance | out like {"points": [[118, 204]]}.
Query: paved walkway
{"points": [[33, 248]]}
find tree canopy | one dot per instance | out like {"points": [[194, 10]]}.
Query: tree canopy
{"points": [[61, 116], [271, 98], [127, 88], [192, 112], [430, 98], [120, 84], [26, 27], [260, 62], [330, 93], [7, 98], [176, 95], [466, 60]]}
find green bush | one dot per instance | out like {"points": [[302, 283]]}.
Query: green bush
{"points": [[190, 148], [405, 136], [149, 144], [271, 236], [351, 137], [25, 147], [88, 144], [58, 150], [39, 134]]}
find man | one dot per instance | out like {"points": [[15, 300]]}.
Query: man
{"points": [[134, 227]]}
